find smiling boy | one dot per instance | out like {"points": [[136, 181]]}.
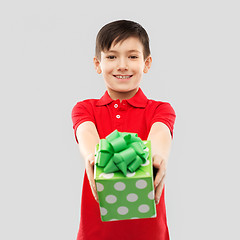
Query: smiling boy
{"points": [[122, 56], [122, 67]]}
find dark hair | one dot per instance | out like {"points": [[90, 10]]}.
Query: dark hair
{"points": [[118, 31]]}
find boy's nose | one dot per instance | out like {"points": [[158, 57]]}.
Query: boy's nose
{"points": [[122, 66]]}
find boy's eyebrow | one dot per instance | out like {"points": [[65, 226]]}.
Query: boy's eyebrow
{"points": [[113, 51], [134, 51]]}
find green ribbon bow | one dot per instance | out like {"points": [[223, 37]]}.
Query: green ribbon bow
{"points": [[121, 151]]}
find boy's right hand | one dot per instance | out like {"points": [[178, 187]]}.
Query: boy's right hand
{"points": [[90, 174]]}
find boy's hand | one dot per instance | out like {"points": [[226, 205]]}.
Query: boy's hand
{"points": [[159, 166], [90, 174]]}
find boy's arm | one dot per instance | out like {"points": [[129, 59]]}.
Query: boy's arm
{"points": [[88, 138], [161, 139]]}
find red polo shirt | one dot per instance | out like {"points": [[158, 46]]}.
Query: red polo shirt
{"points": [[134, 115]]}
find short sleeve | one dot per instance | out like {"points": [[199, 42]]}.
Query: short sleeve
{"points": [[164, 113], [81, 112]]}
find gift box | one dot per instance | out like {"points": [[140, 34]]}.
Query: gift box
{"points": [[123, 175]]}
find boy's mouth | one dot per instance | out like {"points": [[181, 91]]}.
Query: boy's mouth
{"points": [[123, 76]]}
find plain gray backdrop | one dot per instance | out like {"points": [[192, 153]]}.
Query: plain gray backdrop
{"points": [[46, 53]]}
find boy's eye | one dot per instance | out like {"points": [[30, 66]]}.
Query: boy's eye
{"points": [[133, 57], [111, 57]]}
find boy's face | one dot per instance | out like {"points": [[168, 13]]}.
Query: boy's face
{"points": [[122, 67]]}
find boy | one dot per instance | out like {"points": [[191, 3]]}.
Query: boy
{"points": [[122, 56]]}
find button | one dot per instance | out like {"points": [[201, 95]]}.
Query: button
{"points": [[117, 116], [115, 105]]}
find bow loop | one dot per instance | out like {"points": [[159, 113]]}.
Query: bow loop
{"points": [[121, 151]]}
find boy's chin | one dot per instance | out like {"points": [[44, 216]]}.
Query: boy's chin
{"points": [[124, 90]]}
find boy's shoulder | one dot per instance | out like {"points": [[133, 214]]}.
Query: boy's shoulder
{"points": [[85, 105], [158, 103], [86, 102], [157, 107]]}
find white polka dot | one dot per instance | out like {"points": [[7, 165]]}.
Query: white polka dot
{"points": [[151, 195], [141, 184], [103, 211], [106, 175], [100, 187], [132, 197], [113, 219], [145, 164], [129, 174], [143, 208], [122, 210], [119, 186], [111, 199], [135, 218], [146, 149]]}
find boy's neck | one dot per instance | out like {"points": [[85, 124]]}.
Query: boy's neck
{"points": [[122, 95]]}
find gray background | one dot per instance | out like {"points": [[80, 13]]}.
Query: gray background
{"points": [[46, 52]]}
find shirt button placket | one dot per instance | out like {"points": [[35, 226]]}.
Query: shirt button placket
{"points": [[118, 116], [116, 106]]}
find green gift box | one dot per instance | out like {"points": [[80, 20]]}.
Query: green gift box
{"points": [[127, 192]]}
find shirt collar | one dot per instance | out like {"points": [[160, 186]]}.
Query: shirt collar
{"points": [[138, 100]]}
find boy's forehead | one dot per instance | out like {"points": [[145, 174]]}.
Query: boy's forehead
{"points": [[129, 44]]}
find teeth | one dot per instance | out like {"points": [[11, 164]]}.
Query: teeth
{"points": [[122, 77]]}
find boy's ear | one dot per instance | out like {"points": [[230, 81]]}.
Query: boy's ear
{"points": [[97, 65], [148, 63]]}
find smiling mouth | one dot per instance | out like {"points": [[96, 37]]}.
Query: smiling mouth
{"points": [[122, 76]]}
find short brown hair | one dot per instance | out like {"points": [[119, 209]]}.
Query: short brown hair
{"points": [[118, 31]]}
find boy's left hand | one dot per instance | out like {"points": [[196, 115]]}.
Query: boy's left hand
{"points": [[159, 180]]}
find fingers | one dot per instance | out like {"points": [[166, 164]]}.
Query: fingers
{"points": [[160, 167], [90, 174], [161, 171], [158, 190]]}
